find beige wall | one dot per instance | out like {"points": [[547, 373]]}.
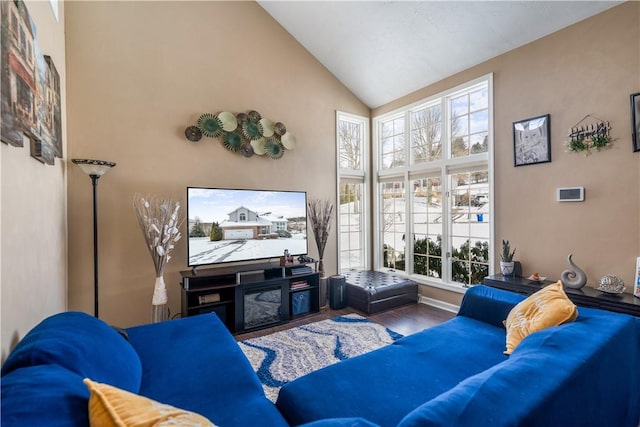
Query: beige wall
{"points": [[33, 213], [589, 68], [139, 73]]}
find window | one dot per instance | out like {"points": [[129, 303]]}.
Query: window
{"points": [[434, 184], [352, 139]]}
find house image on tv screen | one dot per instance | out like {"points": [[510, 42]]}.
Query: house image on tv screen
{"points": [[245, 224]]}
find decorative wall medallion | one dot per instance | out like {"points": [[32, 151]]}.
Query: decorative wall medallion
{"points": [[228, 120], [267, 127], [246, 149], [252, 130], [289, 141], [241, 118], [244, 133], [254, 116], [193, 133], [210, 125], [258, 146], [274, 148], [279, 128], [232, 141]]}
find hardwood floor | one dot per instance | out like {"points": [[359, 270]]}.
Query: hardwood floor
{"points": [[405, 320]]}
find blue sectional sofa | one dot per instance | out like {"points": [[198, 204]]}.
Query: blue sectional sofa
{"points": [[585, 373]]}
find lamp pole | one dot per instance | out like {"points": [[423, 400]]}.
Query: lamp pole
{"points": [[94, 183], [95, 169]]}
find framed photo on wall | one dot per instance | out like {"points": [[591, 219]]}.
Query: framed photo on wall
{"points": [[635, 121], [532, 141]]}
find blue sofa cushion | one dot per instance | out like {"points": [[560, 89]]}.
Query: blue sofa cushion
{"points": [[385, 385], [82, 344], [341, 422], [195, 364], [489, 305], [44, 395], [584, 373]]}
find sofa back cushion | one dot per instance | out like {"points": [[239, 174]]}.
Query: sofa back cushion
{"points": [[44, 395], [488, 305], [82, 344]]}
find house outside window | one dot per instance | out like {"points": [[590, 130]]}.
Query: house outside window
{"points": [[433, 197], [353, 188]]}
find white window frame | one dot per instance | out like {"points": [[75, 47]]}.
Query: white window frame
{"points": [[443, 168], [357, 176]]}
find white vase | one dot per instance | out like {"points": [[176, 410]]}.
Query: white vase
{"points": [[506, 268], [159, 308]]}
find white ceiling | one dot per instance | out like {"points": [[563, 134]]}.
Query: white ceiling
{"points": [[383, 50]]}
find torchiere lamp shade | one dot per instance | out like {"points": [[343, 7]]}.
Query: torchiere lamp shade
{"points": [[94, 167]]}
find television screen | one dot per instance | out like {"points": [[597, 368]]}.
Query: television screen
{"points": [[231, 225]]}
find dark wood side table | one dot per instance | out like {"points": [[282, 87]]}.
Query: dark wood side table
{"points": [[585, 297]]}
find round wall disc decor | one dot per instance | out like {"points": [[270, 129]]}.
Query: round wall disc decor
{"points": [[228, 120], [246, 133]]}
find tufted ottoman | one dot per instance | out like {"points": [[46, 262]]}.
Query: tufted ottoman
{"points": [[375, 291]]}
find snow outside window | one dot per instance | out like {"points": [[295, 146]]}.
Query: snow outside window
{"points": [[434, 186], [353, 176]]}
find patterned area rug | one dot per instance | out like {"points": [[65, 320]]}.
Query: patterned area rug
{"points": [[286, 355]]}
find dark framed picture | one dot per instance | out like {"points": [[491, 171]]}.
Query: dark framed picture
{"points": [[635, 121], [532, 141]]}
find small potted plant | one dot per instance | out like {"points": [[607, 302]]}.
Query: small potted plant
{"points": [[507, 264]]}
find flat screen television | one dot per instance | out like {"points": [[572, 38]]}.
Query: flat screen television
{"points": [[232, 225]]}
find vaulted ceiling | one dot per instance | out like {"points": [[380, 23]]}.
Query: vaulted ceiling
{"points": [[383, 50]]}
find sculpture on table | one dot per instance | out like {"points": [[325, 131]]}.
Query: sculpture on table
{"points": [[573, 278]]}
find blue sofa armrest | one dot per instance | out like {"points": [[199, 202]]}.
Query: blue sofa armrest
{"points": [[82, 344], [488, 304]]}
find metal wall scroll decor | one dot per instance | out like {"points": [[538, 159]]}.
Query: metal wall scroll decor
{"points": [[244, 133], [589, 133]]}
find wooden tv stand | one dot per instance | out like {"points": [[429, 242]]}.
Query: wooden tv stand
{"points": [[222, 291]]}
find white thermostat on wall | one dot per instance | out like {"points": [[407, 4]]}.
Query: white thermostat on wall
{"points": [[570, 194]]}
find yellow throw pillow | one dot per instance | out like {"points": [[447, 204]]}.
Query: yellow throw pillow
{"points": [[547, 307], [109, 406]]}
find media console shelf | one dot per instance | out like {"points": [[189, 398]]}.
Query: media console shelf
{"points": [[585, 297], [253, 296]]}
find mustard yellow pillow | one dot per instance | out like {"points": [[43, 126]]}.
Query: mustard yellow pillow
{"points": [[109, 406], [547, 307]]}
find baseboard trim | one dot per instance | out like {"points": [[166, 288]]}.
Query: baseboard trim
{"points": [[452, 308]]}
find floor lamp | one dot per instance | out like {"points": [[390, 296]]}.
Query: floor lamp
{"points": [[95, 169]]}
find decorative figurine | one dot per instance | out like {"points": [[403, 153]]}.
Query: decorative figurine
{"points": [[574, 278]]}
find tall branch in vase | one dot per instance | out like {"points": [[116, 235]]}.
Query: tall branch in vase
{"points": [[320, 213], [159, 220]]}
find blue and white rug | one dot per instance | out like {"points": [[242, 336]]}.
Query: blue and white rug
{"points": [[286, 355]]}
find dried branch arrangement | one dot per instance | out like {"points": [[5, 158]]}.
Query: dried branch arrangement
{"points": [[320, 213], [159, 220]]}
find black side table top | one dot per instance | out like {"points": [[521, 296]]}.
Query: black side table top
{"points": [[585, 297]]}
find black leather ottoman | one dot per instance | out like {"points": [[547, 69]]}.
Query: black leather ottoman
{"points": [[375, 291]]}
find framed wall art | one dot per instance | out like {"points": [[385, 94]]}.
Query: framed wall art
{"points": [[532, 141], [30, 95], [635, 121]]}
